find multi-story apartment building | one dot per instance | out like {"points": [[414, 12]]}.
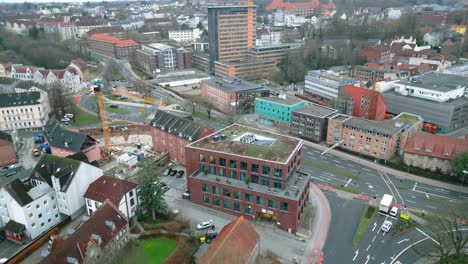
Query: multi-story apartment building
{"points": [[104, 232], [171, 133], [275, 52], [311, 122], [161, 58], [248, 69], [185, 36], [112, 46], [361, 102], [232, 32], [232, 95], [326, 84], [245, 171], [441, 99], [277, 109], [24, 111], [365, 73], [377, 139], [121, 193]]}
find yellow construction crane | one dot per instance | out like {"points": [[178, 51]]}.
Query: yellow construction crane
{"points": [[103, 115]]}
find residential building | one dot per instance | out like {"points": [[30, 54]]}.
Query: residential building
{"points": [[63, 142], [105, 232], [238, 242], [200, 61], [275, 52], [112, 46], [248, 172], [232, 32], [185, 36], [277, 109], [24, 111], [5, 70], [376, 139], [306, 8], [172, 133], [393, 13], [247, 69], [434, 152], [268, 36], [460, 29], [361, 102], [7, 150], [121, 193], [130, 24], [232, 95], [116, 31], [458, 69], [326, 84], [200, 44], [441, 99], [311, 121], [161, 58], [365, 73]]}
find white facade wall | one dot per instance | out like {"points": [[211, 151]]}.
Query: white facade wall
{"points": [[125, 205], [429, 94], [25, 117], [321, 86], [185, 35]]}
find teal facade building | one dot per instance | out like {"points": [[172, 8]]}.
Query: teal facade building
{"points": [[277, 109]]}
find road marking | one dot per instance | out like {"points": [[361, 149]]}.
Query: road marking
{"points": [[432, 207], [404, 250], [437, 195], [412, 196], [411, 201], [442, 190], [368, 258], [396, 190], [339, 166], [386, 183], [427, 236], [375, 225], [401, 241], [374, 238], [317, 178], [348, 182], [367, 249], [415, 185], [366, 169], [349, 164], [355, 254]]}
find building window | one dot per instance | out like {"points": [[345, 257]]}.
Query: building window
{"points": [[206, 199], [232, 164], [265, 170], [233, 174], [265, 182], [243, 176], [37, 206], [48, 220], [254, 168], [272, 203], [226, 192], [248, 210], [278, 172], [237, 207], [96, 204], [131, 194], [248, 197], [45, 201], [284, 206], [216, 201], [132, 202], [222, 172], [33, 224], [222, 162], [277, 184], [31, 215], [52, 198], [212, 170], [215, 190], [227, 205], [39, 215], [260, 200], [243, 165], [254, 179], [205, 188], [42, 224], [237, 195], [212, 160], [202, 158]]}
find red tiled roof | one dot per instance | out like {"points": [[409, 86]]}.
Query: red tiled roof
{"points": [[59, 74], [234, 244], [75, 245], [20, 69], [112, 39], [44, 72], [80, 63], [280, 4], [437, 145], [107, 187], [126, 43]]}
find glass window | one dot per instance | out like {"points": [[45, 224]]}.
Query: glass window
{"points": [[265, 182], [202, 157], [215, 190], [216, 201], [222, 172], [205, 188], [265, 170], [233, 174], [202, 168], [226, 204], [39, 215], [272, 203], [243, 165], [248, 210], [254, 179], [237, 195], [243, 176], [206, 199], [132, 202], [278, 172], [248, 197], [222, 162], [232, 164], [254, 168], [212, 170], [284, 206], [278, 185], [260, 200], [237, 207], [227, 192], [212, 160]]}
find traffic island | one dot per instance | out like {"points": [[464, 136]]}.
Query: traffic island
{"points": [[368, 214]]}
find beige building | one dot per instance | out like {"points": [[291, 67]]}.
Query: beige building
{"points": [[26, 111], [378, 139]]}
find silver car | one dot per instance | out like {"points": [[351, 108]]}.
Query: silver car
{"points": [[387, 225]]}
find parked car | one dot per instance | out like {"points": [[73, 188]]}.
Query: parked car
{"points": [[38, 139], [180, 174], [387, 225], [113, 106], [394, 211], [36, 153], [68, 115], [124, 128], [206, 225], [65, 119], [173, 173], [123, 98], [167, 172], [117, 95]]}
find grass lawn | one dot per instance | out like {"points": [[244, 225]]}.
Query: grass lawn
{"points": [[403, 225], [117, 111], [83, 118], [368, 214], [120, 123], [333, 170], [152, 251]]}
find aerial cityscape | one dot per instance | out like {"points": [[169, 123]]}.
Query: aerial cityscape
{"points": [[230, 131]]}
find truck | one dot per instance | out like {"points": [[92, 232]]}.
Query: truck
{"points": [[385, 204]]}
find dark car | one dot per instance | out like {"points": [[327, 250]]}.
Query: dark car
{"points": [[180, 174], [123, 98], [167, 172], [113, 106], [173, 173]]}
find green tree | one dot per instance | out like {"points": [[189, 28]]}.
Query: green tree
{"points": [[150, 194], [34, 33], [460, 163], [200, 25]]}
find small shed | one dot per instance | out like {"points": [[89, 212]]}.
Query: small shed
{"points": [[14, 231]]}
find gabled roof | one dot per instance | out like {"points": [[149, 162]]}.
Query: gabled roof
{"points": [[76, 245], [19, 99], [50, 165], [6, 137], [59, 137], [112, 39], [234, 244], [179, 126], [14, 227], [108, 187], [437, 146], [18, 191]]}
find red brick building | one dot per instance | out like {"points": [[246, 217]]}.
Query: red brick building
{"points": [[171, 133], [361, 102], [247, 172], [112, 46]]}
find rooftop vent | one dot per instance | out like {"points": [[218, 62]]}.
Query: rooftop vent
{"points": [[223, 137], [399, 124], [96, 238], [215, 138], [111, 225]]}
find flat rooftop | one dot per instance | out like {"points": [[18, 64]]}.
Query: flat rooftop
{"points": [[340, 117], [288, 100], [387, 127], [295, 183], [238, 141], [233, 84], [316, 110], [436, 81]]}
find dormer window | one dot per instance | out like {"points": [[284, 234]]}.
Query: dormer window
{"points": [[446, 153], [417, 148], [428, 150]]}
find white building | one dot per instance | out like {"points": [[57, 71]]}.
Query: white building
{"points": [[393, 13], [185, 35], [326, 83], [24, 111], [122, 193]]}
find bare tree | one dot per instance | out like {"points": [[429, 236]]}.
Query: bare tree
{"points": [[57, 98], [231, 116]]}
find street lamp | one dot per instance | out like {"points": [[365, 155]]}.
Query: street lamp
{"points": [[465, 172]]}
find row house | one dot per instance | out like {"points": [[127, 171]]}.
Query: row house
{"points": [[20, 27], [76, 30]]}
